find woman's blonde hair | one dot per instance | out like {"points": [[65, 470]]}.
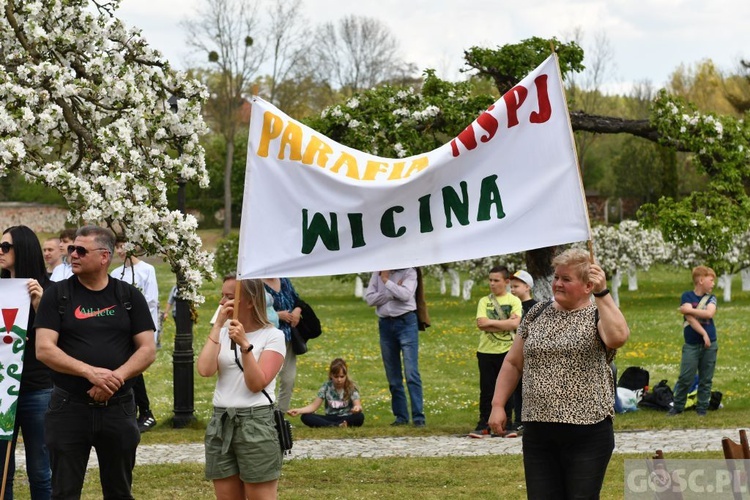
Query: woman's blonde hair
{"points": [[578, 260], [255, 292], [339, 366]]}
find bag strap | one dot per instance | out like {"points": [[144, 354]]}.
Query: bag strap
{"points": [[496, 305], [273, 403], [540, 310], [62, 297], [702, 304], [237, 360]]}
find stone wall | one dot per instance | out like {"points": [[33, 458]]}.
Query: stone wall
{"points": [[40, 218]]}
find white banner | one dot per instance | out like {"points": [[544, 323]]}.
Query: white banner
{"points": [[508, 183], [14, 306]]}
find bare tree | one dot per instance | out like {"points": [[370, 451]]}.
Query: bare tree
{"points": [[358, 52], [585, 89], [289, 37], [225, 31]]}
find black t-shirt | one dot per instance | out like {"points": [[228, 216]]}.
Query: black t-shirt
{"points": [[527, 305], [96, 328]]}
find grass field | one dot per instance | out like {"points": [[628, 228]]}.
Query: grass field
{"points": [[449, 374]]}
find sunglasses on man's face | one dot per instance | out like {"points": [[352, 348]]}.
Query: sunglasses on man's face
{"points": [[5, 246], [81, 251]]}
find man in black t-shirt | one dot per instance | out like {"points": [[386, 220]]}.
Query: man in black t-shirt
{"points": [[100, 340]]}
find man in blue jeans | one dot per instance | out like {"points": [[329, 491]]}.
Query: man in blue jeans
{"points": [[393, 295], [96, 334]]}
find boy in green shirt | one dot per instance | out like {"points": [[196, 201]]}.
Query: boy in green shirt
{"points": [[498, 316]]}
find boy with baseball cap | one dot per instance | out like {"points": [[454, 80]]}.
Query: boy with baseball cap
{"points": [[521, 284]]}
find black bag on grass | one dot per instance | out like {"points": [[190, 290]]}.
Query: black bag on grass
{"points": [[659, 397], [633, 378], [715, 402]]}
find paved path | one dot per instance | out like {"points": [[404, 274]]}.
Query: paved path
{"points": [[645, 442]]}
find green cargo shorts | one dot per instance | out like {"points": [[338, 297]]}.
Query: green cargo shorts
{"points": [[243, 441]]}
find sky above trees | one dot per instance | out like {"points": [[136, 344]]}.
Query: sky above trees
{"points": [[649, 39]]}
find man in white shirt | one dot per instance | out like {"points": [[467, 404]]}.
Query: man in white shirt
{"points": [[142, 275], [63, 270], [393, 293], [53, 254]]}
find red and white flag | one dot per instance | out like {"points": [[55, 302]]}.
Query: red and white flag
{"points": [[14, 306]]}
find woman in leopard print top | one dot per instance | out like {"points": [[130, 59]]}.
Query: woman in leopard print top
{"points": [[564, 349]]}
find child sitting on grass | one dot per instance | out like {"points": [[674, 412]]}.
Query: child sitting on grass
{"points": [[342, 404]]}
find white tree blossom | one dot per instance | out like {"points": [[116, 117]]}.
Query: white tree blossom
{"points": [[85, 111], [626, 246]]}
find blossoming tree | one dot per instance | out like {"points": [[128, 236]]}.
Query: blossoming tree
{"points": [[715, 218], [626, 247], [735, 260], [85, 111]]}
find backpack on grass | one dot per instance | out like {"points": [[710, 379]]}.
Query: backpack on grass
{"points": [[659, 397], [634, 378]]}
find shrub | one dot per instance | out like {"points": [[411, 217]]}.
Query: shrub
{"points": [[225, 260]]}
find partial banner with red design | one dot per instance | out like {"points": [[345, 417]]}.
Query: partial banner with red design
{"points": [[14, 306], [508, 183]]}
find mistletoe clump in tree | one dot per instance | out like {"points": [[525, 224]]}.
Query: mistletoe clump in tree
{"points": [[85, 110]]}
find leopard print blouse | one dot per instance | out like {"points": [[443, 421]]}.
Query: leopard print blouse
{"points": [[566, 373]]}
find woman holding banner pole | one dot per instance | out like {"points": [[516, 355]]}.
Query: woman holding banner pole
{"points": [[563, 348], [21, 257]]}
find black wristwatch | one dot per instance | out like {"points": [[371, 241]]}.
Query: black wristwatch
{"points": [[602, 293], [247, 349]]}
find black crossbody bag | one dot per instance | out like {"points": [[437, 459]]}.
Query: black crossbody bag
{"points": [[283, 427]]}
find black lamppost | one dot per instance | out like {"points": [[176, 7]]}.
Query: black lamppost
{"points": [[182, 358]]}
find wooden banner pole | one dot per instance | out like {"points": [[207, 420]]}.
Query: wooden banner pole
{"points": [[5, 469], [236, 309]]}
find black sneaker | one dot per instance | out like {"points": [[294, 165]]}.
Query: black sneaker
{"points": [[146, 422], [672, 412]]}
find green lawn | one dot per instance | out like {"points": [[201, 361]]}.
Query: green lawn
{"points": [[449, 374]]}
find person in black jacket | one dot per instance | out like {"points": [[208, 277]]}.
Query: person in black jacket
{"points": [[21, 257]]}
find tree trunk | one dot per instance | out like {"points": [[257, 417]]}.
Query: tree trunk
{"points": [[727, 281], [228, 161], [539, 266], [615, 287], [455, 283], [745, 274], [632, 279]]}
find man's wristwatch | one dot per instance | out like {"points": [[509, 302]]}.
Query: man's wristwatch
{"points": [[602, 293], [246, 349]]}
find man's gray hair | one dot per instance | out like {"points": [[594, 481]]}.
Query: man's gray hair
{"points": [[104, 237]]}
